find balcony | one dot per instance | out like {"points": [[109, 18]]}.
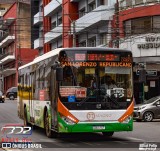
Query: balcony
{"points": [[7, 57], [100, 14], [52, 7], [53, 34], [38, 18], [6, 40], [38, 43], [8, 71], [5, 23], [131, 4]]}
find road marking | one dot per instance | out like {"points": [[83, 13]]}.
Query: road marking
{"points": [[135, 139], [121, 142], [47, 140], [86, 143], [17, 149]]}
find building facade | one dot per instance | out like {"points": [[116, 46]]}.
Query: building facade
{"points": [[71, 23], [15, 43], [139, 31], [5, 5]]}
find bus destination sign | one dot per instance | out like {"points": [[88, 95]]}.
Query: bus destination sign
{"points": [[91, 57]]}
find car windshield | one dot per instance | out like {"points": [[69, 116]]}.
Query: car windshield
{"points": [[151, 100], [1, 93]]}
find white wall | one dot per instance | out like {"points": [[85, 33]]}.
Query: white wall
{"points": [[132, 44]]}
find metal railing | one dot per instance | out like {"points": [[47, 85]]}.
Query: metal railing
{"points": [[2, 56]]}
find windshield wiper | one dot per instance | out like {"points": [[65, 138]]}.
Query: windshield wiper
{"points": [[112, 100], [95, 90], [83, 101]]}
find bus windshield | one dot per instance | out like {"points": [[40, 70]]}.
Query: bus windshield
{"points": [[96, 80]]}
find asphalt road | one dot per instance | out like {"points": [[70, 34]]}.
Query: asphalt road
{"points": [[143, 133]]}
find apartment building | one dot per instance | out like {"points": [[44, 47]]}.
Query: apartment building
{"points": [[15, 43], [71, 23], [139, 26]]}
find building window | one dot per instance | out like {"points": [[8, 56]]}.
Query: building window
{"points": [[82, 44], [59, 20], [92, 42], [91, 6], [138, 2], [156, 23], [2, 8], [53, 25], [82, 12], [128, 3], [127, 28], [103, 39], [150, 1], [142, 25], [102, 2]]}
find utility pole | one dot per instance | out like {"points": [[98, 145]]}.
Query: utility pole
{"points": [[74, 34], [117, 23], [142, 80]]}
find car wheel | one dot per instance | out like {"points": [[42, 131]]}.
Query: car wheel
{"points": [[148, 116], [11, 97], [107, 134], [3, 101]]}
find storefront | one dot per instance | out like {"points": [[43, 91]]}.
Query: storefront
{"points": [[139, 32], [146, 53]]}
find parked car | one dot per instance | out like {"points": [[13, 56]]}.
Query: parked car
{"points": [[147, 111], [2, 97], [12, 93]]}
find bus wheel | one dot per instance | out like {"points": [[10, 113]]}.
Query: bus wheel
{"points": [[107, 134], [47, 129], [25, 117]]}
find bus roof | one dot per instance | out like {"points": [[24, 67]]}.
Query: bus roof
{"points": [[40, 58], [57, 50]]}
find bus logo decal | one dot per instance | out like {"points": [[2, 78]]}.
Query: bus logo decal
{"points": [[90, 116]]}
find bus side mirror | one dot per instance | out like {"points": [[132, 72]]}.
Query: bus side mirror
{"points": [[59, 74]]}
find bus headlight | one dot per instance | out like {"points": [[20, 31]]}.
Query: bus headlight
{"points": [[68, 120], [3, 97], [127, 119]]}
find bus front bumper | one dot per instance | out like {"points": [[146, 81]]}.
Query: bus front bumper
{"points": [[95, 127]]}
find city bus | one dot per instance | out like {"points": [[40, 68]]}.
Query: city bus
{"points": [[63, 91]]}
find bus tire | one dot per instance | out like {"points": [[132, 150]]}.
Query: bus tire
{"points": [[107, 134], [46, 126], [25, 117]]}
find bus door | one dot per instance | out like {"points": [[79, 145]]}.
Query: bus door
{"points": [[53, 98], [31, 94], [21, 97]]}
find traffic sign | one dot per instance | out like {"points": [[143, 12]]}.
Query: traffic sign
{"points": [[148, 72]]}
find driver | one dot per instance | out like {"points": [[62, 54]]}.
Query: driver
{"points": [[109, 83]]}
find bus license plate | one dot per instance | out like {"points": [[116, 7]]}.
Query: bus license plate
{"points": [[98, 127]]}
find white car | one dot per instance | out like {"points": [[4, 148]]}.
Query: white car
{"points": [[147, 111]]}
